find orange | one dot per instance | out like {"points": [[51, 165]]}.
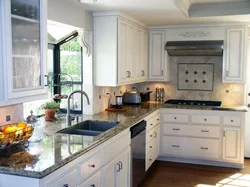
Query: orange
{"points": [[10, 131], [4, 128], [22, 124]]}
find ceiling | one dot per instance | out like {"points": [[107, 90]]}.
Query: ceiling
{"points": [[159, 12]]}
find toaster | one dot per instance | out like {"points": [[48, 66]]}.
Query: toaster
{"points": [[132, 97]]}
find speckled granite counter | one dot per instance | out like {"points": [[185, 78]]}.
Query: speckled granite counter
{"points": [[56, 150], [222, 108]]}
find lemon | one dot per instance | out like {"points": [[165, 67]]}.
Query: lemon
{"points": [[22, 124]]}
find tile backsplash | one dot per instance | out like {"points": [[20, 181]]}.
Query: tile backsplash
{"points": [[14, 111], [229, 94]]}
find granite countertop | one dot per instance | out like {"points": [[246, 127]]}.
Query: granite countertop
{"points": [[195, 107], [55, 150]]}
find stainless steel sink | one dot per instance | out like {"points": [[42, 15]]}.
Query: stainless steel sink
{"points": [[89, 128]]}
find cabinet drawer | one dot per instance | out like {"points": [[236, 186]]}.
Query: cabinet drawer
{"points": [[70, 179], [152, 122], [235, 121], [90, 166], [153, 134], [192, 130], [151, 146], [93, 181], [115, 147], [191, 147], [152, 156], [178, 118], [200, 119]]}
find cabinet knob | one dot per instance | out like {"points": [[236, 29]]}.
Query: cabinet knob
{"points": [[151, 124], [175, 117], [150, 147], [92, 185], [151, 135], [205, 119], [158, 119], [65, 185], [232, 121], [92, 165], [150, 160]]}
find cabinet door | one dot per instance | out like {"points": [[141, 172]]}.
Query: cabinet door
{"points": [[130, 65], [26, 43], [144, 58], [138, 54], [157, 55], [109, 174], [122, 51], [123, 173], [231, 144], [234, 55]]}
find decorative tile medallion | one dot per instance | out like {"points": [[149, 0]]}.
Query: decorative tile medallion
{"points": [[200, 77]]}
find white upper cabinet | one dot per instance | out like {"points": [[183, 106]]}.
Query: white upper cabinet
{"points": [[158, 69], [234, 55], [141, 53], [24, 34], [120, 50]]}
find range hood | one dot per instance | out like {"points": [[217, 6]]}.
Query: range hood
{"points": [[195, 48]]}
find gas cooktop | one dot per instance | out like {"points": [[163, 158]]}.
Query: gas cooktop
{"points": [[194, 102]]}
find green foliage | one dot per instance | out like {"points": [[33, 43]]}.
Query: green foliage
{"points": [[71, 59], [50, 105]]}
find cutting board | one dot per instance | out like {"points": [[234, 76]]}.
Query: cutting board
{"points": [[123, 109]]}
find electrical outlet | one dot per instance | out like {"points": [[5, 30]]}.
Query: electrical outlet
{"points": [[8, 118]]}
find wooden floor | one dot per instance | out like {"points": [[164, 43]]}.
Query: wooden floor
{"points": [[169, 174]]}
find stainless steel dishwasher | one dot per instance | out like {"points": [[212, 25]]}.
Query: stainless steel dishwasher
{"points": [[138, 140]]}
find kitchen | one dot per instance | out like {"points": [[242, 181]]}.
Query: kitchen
{"points": [[123, 52]]}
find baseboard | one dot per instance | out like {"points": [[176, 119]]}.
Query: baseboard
{"points": [[201, 162]]}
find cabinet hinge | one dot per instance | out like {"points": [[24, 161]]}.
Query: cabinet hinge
{"points": [[224, 133], [226, 73], [162, 73]]}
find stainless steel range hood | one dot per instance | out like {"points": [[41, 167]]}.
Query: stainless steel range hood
{"points": [[195, 48]]}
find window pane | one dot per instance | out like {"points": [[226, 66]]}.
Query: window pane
{"points": [[76, 103], [71, 59]]}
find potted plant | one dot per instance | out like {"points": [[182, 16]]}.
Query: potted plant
{"points": [[50, 109]]}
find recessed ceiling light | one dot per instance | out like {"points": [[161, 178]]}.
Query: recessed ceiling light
{"points": [[87, 1]]}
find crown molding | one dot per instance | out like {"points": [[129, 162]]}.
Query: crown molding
{"points": [[183, 5]]}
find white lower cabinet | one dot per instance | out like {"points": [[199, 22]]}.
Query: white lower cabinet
{"points": [[231, 144], [117, 173], [152, 138], [203, 136]]}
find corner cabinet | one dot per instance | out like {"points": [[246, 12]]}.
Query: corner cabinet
{"points": [[24, 47], [120, 45], [158, 57], [234, 59]]}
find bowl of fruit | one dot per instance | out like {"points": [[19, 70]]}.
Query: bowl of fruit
{"points": [[15, 134]]}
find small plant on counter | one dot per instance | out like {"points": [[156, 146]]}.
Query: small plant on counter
{"points": [[50, 109]]}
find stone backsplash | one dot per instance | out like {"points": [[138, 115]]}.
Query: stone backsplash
{"points": [[14, 111], [229, 94]]}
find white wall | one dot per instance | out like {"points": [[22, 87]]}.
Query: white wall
{"points": [[69, 12]]}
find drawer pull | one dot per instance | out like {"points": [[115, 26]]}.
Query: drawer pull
{"points": [[120, 165], [232, 121], [92, 185], [175, 146], [204, 130], [176, 129], [65, 185], [92, 165], [204, 148]]}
